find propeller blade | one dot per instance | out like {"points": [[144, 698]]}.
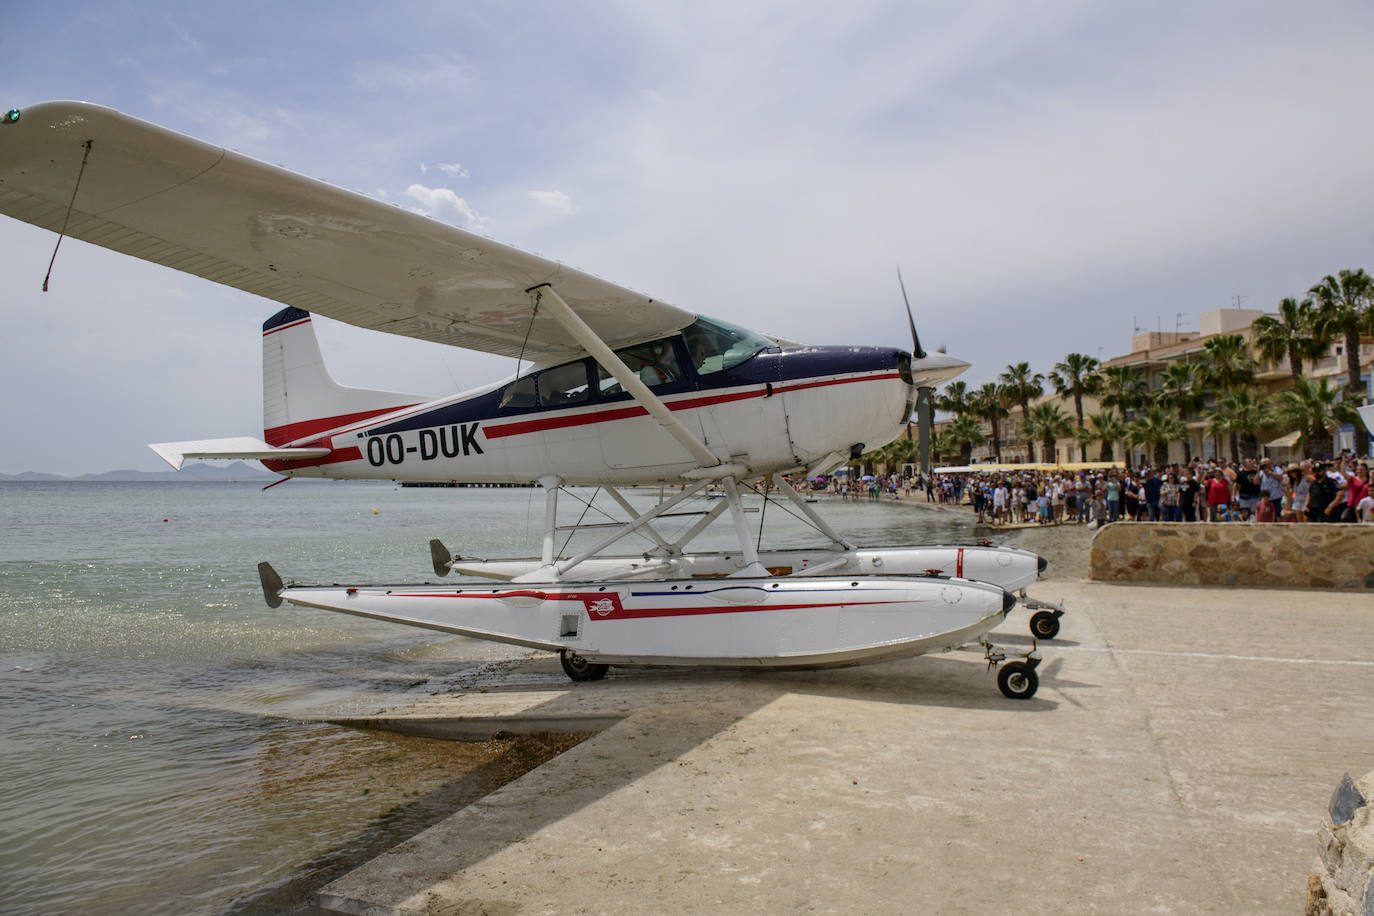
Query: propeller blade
{"points": [[916, 350]]}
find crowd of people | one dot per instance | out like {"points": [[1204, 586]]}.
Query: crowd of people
{"points": [[1214, 490]]}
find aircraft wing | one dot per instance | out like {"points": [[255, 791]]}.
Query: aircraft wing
{"points": [[164, 197]]}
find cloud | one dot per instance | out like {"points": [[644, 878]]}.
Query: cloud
{"points": [[454, 76], [448, 168], [444, 202], [556, 201]]}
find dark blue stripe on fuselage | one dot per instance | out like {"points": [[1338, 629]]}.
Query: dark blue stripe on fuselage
{"points": [[769, 366]]}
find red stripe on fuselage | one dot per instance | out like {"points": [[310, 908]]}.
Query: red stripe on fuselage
{"points": [[294, 464], [521, 427], [281, 435]]}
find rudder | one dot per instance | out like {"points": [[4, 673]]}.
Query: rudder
{"points": [[299, 397]]}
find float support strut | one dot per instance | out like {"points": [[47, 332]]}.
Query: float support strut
{"points": [[752, 566], [810, 513]]}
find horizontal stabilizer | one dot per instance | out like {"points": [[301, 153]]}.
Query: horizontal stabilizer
{"points": [[242, 447]]}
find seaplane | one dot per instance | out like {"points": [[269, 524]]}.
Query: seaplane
{"points": [[612, 389]]}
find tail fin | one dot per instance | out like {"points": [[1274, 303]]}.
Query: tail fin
{"points": [[299, 399]]}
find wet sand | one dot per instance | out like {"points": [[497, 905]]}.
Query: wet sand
{"points": [[426, 780]]}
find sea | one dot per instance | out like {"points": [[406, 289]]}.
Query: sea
{"points": [[160, 742]]}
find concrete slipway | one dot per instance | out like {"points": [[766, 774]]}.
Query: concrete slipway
{"points": [[1178, 758]]}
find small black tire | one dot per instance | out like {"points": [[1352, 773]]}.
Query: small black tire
{"points": [[1017, 681], [1044, 625], [579, 669]]}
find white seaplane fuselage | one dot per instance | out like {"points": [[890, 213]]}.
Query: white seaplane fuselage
{"points": [[760, 410]]}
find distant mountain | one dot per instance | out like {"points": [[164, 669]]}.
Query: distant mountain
{"points": [[236, 471]]}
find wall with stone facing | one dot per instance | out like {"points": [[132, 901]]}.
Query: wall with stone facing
{"points": [[1236, 553], [1339, 884]]}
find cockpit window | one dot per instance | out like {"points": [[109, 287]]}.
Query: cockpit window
{"points": [[564, 385], [655, 363], [519, 393], [716, 346]]}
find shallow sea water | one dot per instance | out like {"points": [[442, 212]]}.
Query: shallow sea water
{"points": [[152, 744]]}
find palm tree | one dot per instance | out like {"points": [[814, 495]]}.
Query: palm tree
{"points": [[1228, 362], [955, 398], [1124, 388], [1314, 407], [1228, 368], [943, 445], [1048, 422], [1345, 306], [1084, 437], [1292, 334], [1181, 388], [1076, 375], [1241, 413], [1155, 428], [901, 451], [1108, 428], [1021, 385], [964, 430], [989, 402]]}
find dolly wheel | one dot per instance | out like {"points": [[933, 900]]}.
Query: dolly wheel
{"points": [[1044, 625], [1017, 681], [579, 669]]}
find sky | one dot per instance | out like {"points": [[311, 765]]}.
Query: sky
{"points": [[1048, 176]]}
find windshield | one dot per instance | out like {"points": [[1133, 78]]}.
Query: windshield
{"points": [[716, 346]]}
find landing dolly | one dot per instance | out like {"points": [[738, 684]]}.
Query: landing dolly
{"points": [[1016, 679], [1044, 623], [579, 669]]}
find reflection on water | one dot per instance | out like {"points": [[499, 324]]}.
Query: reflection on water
{"points": [[152, 756]]}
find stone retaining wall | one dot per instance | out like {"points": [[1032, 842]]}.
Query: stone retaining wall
{"points": [[1339, 884], [1236, 553]]}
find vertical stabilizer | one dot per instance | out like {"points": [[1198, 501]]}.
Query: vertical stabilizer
{"points": [[299, 399]]}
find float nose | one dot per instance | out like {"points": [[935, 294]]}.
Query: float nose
{"points": [[1008, 601], [1043, 564]]}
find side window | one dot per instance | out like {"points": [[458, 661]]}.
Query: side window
{"points": [[519, 393], [564, 385], [655, 363]]}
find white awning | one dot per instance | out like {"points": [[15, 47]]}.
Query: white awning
{"points": [[1285, 441]]}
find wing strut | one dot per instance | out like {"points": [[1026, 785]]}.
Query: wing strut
{"points": [[613, 364]]}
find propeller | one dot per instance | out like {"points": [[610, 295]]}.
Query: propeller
{"points": [[925, 401], [916, 350]]}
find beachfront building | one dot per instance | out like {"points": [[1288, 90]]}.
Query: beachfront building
{"points": [[1154, 356], [1153, 352]]}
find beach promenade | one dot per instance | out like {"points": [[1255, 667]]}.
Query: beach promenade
{"points": [[1178, 758]]}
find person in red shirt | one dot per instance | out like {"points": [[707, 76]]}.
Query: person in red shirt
{"points": [[1218, 495], [1355, 489]]}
